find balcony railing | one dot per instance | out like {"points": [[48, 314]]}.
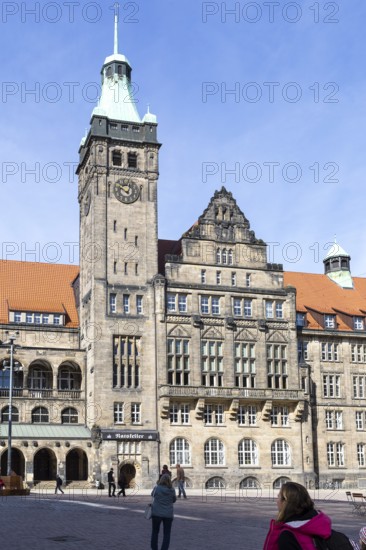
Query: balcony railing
{"points": [[203, 391], [41, 393]]}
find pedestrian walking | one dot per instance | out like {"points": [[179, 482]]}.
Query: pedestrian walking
{"points": [[180, 481], [162, 511], [111, 484], [58, 485], [122, 482]]}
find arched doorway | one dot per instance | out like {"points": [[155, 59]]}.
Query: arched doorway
{"points": [[44, 465], [129, 471], [76, 465], [17, 462]]}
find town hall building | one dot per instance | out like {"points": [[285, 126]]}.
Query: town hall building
{"points": [[195, 351]]}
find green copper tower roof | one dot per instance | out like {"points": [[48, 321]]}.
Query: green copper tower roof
{"points": [[117, 101]]}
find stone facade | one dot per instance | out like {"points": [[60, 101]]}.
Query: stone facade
{"points": [[186, 351]]}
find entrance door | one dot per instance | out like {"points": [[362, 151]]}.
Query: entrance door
{"points": [[129, 471], [17, 462], [45, 465], [76, 465]]}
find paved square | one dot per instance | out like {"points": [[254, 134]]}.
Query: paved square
{"points": [[86, 520]]}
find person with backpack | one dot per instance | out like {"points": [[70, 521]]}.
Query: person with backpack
{"points": [[299, 526]]}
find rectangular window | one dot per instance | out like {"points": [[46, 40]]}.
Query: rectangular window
{"points": [[218, 277], [203, 276], [248, 280], [17, 317], [57, 319], [302, 351], [178, 362], [37, 318], [126, 362], [119, 413], [300, 319], [269, 309], [247, 307], [135, 413], [245, 369], [329, 321], [112, 303], [215, 306], [233, 278], [360, 420], [171, 302], [126, 303], [204, 305], [329, 352], [237, 307], [29, 317], [277, 366], [182, 303], [359, 385], [334, 420], [358, 323], [213, 414], [331, 385], [45, 319], [279, 310], [139, 304], [280, 416], [212, 361], [247, 415], [361, 454], [358, 353], [335, 454]]}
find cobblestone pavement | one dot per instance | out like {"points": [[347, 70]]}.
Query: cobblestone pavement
{"points": [[87, 520]]}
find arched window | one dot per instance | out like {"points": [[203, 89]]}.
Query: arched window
{"points": [[69, 416], [39, 415], [14, 414], [40, 377], [69, 377], [249, 483], [279, 482], [230, 257], [224, 256], [214, 453], [248, 453], [215, 483], [218, 256], [280, 453], [180, 452]]}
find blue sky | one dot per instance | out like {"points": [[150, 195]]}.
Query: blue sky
{"points": [[268, 101]]}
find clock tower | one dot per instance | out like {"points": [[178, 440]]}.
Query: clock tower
{"points": [[118, 175]]}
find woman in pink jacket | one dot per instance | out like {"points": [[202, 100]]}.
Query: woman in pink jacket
{"points": [[297, 521]]}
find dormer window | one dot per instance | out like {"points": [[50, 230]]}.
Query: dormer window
{"points": [[329, 321], [300, 319], [358, 323]]}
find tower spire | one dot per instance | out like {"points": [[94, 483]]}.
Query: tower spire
{"points": [[116, 18]]}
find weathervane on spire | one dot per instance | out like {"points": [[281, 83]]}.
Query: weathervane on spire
{"points": [[116, 19]]}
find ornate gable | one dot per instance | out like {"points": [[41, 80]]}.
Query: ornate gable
{"points": [[223, 221]]}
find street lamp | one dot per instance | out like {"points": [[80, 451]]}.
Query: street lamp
{"points": [[11, 346]]}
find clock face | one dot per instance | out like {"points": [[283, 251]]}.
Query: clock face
{"points": [[87, 203], [126, 191]]}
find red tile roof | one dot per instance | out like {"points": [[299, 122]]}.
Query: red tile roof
{"points": [[318, 294], [38, 287]]}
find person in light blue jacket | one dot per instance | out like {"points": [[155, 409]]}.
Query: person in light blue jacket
{"points": [[162, 511]]}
